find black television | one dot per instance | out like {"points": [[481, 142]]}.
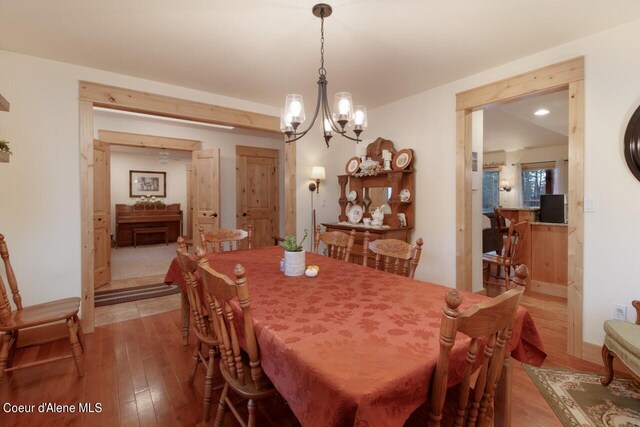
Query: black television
{"points": [[552, 208]]}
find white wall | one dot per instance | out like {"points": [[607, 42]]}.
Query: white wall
{"points": [[176, 179], [426, 123], [40, 187], [225, 140]]}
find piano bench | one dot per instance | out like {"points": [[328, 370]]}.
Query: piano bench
{"points": [[151, 230]]}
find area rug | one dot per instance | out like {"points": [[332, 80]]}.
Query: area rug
{"points": [[118, 296], [579, 399]]}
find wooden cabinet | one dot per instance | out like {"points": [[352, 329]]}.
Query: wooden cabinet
{"points": [[548, 268], [373, 191]]}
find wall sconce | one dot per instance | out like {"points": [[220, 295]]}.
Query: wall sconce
{"points": [[318, 174], [504, 186]]}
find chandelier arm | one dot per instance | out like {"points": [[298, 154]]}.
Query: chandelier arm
{"points": [[299, 135]]}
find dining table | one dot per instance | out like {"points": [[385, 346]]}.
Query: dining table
{"points": [[355, 346]]}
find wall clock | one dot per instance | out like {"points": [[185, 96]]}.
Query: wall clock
{"points": [[632, 144]]}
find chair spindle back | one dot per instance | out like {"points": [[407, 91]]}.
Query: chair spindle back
{"points": [[226, 239], [338, 245], [393, 255], [5, 306], [489, 325], [220, 292], [188, 266]]}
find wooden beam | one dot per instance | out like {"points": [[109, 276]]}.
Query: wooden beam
{"points": [[575, 259], [148, 141], [242, 150], [86, 214], [4, 104], [290, 188], [142, 102], [463, 201], [543, 79]]}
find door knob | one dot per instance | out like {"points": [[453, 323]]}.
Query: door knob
{"points": [[244, 214], [215, 214]]}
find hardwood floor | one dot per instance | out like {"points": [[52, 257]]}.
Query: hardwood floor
{"points": [[138, 370]]}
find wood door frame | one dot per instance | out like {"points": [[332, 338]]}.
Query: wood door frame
{"points": [[130, 140], [112, 97], [560, 76], [242, 150]]}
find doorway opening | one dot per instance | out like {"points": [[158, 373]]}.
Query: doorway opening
{"points": [[188, 195], [567, 75]]}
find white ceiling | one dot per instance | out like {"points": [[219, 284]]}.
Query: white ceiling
{"points": [[513, 126], [261, 50]]}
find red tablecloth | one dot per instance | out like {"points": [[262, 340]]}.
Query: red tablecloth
{"points": [[352, 346]]}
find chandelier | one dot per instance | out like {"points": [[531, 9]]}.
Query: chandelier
{"points": [[344, 113]]}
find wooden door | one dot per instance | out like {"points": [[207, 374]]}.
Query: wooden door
{"points": [[101, 213], [257, 193], [206, 190]]}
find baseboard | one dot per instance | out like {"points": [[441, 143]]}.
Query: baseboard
{"points": [[592, 353], [548, 288]]}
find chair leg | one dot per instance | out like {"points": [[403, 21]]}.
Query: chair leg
{"points": [[76, 348], [208, 385], [196, 357], [222, 406], [80, 333], [7, 343], [251, 407], [186, 318], [607, 358]]}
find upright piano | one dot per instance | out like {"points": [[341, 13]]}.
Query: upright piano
{"points": [[129, 217]]}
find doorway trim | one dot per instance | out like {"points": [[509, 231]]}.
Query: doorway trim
{"points": [[560, 76], [116, 98]]}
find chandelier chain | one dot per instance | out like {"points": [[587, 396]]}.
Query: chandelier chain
{"points": [[322, 70]]}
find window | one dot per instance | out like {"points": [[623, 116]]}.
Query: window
{"points": [[490, 180], [537, 179]]}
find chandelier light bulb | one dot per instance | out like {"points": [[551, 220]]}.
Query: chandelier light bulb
{"points": [[296, 107], [327, 125], [344, 106]]}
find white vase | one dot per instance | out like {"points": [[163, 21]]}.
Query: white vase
{"points": [[294, 263]]}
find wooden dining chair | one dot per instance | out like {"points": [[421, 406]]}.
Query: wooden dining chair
{"points": [[393, 255], [502, 228], [226, 239], [496, 283], [203, 330], [489, 326], [241, 370], [338, 245], [12, 321]]}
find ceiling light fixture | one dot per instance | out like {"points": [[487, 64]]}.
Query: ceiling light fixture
{"points": [[344, 113], [541, 112]]}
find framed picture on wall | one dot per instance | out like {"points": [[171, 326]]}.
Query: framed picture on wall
{"points": [[147, 183]]}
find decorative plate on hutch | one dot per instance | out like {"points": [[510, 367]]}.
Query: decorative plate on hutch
{"points": [[352, 196], [355, 214], [402, 159], [352, 165], [405, 195]]}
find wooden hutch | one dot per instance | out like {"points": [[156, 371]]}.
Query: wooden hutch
{"points": [[385, 182]]}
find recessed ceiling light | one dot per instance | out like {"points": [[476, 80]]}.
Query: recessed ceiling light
{"points": [[542, 112]]}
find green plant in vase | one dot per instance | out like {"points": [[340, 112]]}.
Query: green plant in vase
{"points": [[290, 244], [294, 259]]}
